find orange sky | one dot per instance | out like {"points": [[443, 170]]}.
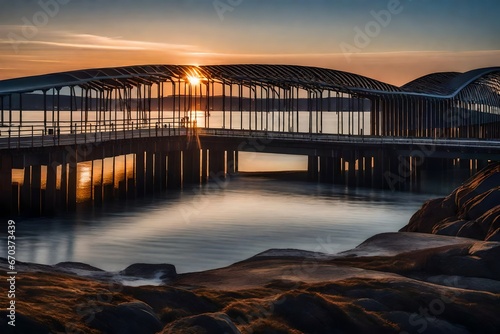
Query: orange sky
{"points": [[416, 39]]}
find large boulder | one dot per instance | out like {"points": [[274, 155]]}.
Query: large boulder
{"points": [[471, 211], [127, 318], [203, 324]]}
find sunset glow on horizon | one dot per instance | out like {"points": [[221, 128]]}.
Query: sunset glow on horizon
{"points": [[394, 41]]}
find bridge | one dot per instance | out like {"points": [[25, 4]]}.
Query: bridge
{"points": [[185, 124]]}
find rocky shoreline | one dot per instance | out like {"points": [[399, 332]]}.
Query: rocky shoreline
{"points": [[445, 279]]}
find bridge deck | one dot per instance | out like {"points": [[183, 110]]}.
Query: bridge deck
{"points": [[47, 141]]}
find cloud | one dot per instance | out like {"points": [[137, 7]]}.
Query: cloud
{"points": [[53, 39]]}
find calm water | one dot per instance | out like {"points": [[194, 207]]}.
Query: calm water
{"points": [[213, 226], [210, 226]]}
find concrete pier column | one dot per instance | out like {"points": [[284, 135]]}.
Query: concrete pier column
{"points": [[50, 188], [139, 173], [174, 170], [72, 183], [160, 168], [191, 166], [108, 192], [204, 166], [131, 190], [98, 195], [36, 190], [326, 169], [216, 161], [379, 170], [63, 190], [404, 170], [231, 162], [351, 172], [236, 162], [312, 168], [129, 182], [163, 170], [6, 184], [337, 170], [399, 172], [416, 172], [149, 172], [122, 189], [99, 188], [367, 170], [26, 191]]}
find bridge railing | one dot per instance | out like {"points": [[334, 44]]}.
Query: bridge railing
{"points": [[36, 135], [358, 139], [33, 136]]}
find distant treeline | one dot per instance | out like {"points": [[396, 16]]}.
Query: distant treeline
{"points": [[36, 102]]}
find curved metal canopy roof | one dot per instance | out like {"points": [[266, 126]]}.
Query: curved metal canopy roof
{"points": [[437, 85]]}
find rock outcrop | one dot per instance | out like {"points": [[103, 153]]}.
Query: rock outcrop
{"points": [[392, 283], [471, 211]]}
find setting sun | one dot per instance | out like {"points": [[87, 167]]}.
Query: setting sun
{"points": [[194, 80]]}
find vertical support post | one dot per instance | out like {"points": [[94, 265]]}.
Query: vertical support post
{"points": [[174, 170], [6, 184], [139, 172], [64, 182], [149, 172], [379, 178], [2, 115], [131, 188], [58, 113], [36, 189], [204, 165], [99, 188], [236, 162], [217, 164], [191, 166], [72, 181], [71, 94], [160, 168], [20, 109], [10, 110], [44, 112], [26, 191], [351, 173], [187, 164], [312, 168], [367, 169], [50, 188], [231, 162], [337, 170], [326, 169]]}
